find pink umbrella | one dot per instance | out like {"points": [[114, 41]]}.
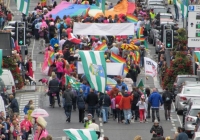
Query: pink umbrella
{"points": [[39, 112]]}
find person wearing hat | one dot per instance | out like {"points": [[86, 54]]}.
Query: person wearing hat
{"points": [[156, 128], [87, 120], [41, 131]]}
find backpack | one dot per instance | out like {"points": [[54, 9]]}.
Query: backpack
{"points": [[26, 108], [167, 97], [61, 27]]}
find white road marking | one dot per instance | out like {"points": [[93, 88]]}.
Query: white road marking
{"points": [[102, 131], [101, 124], [178, 116]]}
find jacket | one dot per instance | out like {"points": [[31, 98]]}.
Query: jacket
{"points": [[118, 99], [80, 101], [129, 83], [105, 100], [155, 99], [59, 66], [14, 106], [68, 95], [125, 102], [54, 86], [54, 41], [157, 129], [92, 99], [182, 136], [167, 97]]}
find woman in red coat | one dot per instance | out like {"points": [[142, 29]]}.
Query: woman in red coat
{"points": [[29, 67], [118, 110]]}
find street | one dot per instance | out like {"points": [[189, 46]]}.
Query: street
{"points": [[57, 120]]}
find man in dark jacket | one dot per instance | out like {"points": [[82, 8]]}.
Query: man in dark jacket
{"points": [[104, 103], [182, 135], [68, 96], [167, 98], [81, 106], [134, 108], [92, 101], [14, 105], [155, 100], [157, 129], [54, 89]]}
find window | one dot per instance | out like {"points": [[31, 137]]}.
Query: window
{"points": [[194, 112], [165, 17], [183, 79], [193, 91]]}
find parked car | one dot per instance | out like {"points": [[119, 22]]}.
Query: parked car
{"points": [[8, 79], [180, 80], [157, 9], [190, 115], [188, 93], [196, 136]]}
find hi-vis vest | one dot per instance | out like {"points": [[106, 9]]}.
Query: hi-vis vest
{"points": [[152, 15]]}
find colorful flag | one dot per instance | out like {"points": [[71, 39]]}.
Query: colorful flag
{"points": [[116, 58], [1, 61], [146, 44], [23, 6], [140, 32], [183, 5], [126, 70], [129, 47], [81, 134], [150, 67], [111, 83], [95, 69], [86, 12], [43, 2], [102, 47], [103, 2], [51, 58], [140, 84], [73, 39], [73, 82], [131, 18], [137, 56]]}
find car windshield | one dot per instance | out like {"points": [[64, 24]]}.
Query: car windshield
{"points": [[193, 91], [166, 17], [194, 112], [156, 4], [183, 79], [161, 10]]}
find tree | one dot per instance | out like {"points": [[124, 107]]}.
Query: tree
{"points": [[179, 66]]}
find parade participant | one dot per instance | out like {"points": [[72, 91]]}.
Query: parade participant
{"points": [[68, 96], [81, 105], [155, 100], [27, 107], [125, 105], [29, 67], [117, 104], [94, 126], [92, 101], [41, 129], [167, 98], [105, 103], [142, 108], [26, 126]]}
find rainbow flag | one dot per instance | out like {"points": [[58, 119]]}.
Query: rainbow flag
{"points": [[51, 58], [116, 58], [111, 83], [102, 47], [137, 57], [140, 32], [126, 70], [131, 18]]}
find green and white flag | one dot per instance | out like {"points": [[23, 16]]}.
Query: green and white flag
{"points": [[73, 82], [94, 66], [140, 84], [23, 6], [81, 134], [1, 61], [183, 5]]}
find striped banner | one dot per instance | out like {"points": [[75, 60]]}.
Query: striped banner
{"points": [[23, 6], [81, 134]]}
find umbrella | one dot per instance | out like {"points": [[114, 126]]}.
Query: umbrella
{"points": [[39, 112]]}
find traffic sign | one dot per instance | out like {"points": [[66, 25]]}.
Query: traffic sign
{"points": [[194, 8], [194, 24], [194, 42]]}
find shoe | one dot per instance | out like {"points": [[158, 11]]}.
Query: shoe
{"points": [[128, 121], [104, 122], [59, 105], [50, 105]]}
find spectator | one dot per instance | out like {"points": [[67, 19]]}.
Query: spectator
{"points": [[167, 98], [14, 105], [182, 135], [92, 101], [157, 129]]}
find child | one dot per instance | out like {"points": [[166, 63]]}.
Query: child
{"points": [[142, 108], [113, 107], [44, 81]]}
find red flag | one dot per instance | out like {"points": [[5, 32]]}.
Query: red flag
{"points": [[73, 39]]}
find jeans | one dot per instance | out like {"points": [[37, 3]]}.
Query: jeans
{"points": [[176, 12], [127, 114], [81, 114], [155, 110], [63, 102], [74, 102], [148, 110], [104, 111], [68, 109], [142, 61], [114, 111], [91, 110], [120, 114], [59, 75]]}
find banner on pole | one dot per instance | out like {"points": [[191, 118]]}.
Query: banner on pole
{"points": [[150, 67]]}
